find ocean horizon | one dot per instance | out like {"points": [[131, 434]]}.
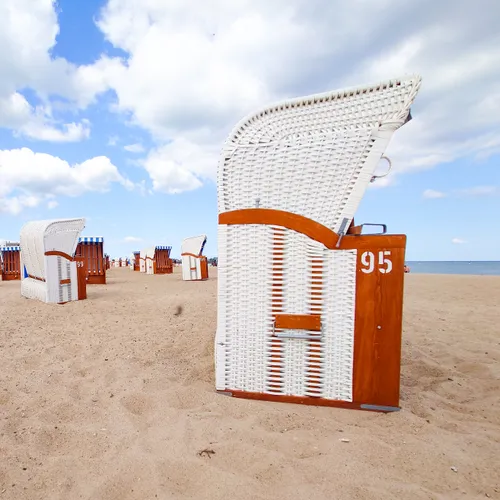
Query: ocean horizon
{"points": [[481, 268]]}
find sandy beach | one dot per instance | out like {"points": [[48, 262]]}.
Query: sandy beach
{"points": [[113, 398]]}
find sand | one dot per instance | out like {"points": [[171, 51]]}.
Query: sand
{"points": [[113, 398]]}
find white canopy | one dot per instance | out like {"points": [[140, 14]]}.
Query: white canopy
{"points": [[38, 237], [148, 252], [194, 244]]}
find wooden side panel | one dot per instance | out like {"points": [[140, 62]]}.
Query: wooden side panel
{"points": [[298, 321], [204, 267], [378, 319], [93, 253], [163, 262], [82, 277], [304, 400], [11, 265]]}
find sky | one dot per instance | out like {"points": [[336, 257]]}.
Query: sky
{"points": [[117, 111]]}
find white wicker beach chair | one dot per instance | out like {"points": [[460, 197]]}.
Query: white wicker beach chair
{"points": [[147, 260], [48, 249], [194, 264], [307, 311]]}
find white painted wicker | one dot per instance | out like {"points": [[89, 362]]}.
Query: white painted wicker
{"points": [[45, 273], [191, 251], [314, 157], [147, 256]]}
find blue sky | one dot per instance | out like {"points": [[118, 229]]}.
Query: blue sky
{"points": [[131, 104]]}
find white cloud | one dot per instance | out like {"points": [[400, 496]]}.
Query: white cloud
{"points": [[28, 30], [431, 193], [112, 140], [28, 178], [52, 204], [181, 165], [131, 239], [134, 148], [36, 123], [192, 69], [458, 241]]}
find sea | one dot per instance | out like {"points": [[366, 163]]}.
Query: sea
{"points": [[482, 268]]}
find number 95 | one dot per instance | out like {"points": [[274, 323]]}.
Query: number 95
{"points": [[384, 262]]}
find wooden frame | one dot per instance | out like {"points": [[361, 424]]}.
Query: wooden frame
{"points": [[11, 263], [378, 310], [92, 250], [137, 261], [162, 261]]}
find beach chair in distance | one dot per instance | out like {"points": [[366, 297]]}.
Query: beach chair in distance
{"points": [[10, 259], [91, 249], [156, 260], [54, 274], [137, 261], [194, 264], [309, 307], [162, 262]]}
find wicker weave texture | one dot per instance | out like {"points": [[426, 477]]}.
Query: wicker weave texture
{"points": [[313, 156], [250, 355]]}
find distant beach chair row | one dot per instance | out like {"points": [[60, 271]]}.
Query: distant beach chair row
{"points": [[36, 260], [157, 260]]}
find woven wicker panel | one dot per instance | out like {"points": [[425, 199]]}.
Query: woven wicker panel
{"points": [[320, 114], [244, 305], [34, 289], [296, 292], [338, 323], [254, 360], [313, 156]]}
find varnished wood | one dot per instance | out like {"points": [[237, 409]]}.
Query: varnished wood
{"points": [[378, 324], [298, 322], [59, 254], [270, 217], [353, 229], [308, 227], [81, 273], [65, 282], [11, 269], [382, 241], [303, 400], [204, 268], [162, 261], [36, 278], [95, 261]]}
